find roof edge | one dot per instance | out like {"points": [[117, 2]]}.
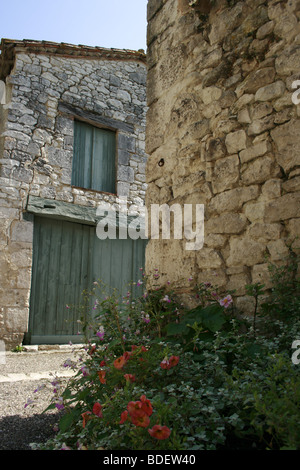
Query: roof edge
{"points": [[9, 48]]}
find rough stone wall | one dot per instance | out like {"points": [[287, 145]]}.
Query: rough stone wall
{"points": [[37, 149], [222, 117]]}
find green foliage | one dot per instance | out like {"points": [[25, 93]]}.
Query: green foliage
{"points": [[213, 382]]}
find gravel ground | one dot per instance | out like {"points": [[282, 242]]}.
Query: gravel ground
{"points": [[20, 425]]}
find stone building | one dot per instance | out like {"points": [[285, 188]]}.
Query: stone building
{"points": [[223, 130], [72, 123]]}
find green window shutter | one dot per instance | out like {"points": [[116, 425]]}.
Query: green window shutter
{"points": [[94, 162]]}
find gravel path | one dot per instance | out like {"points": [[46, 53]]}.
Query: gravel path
{"points": [[20, 376]]}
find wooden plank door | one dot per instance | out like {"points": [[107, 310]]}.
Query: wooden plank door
{"points": [[67, 258]]}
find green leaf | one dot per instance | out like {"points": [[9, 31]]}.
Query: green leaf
{"points": [[212, 317], [66, 422], [177, 329]]}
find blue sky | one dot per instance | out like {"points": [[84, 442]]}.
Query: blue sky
{"points": [[105, 23]]}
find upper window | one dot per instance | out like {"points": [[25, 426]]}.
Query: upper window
{"points": [[94, 159]]}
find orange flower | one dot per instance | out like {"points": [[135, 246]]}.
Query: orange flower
{"points": [[124, 417], [120, 362], [86, 417], [97, 410], [159, 432], [168, 363], [92, 350], [141, 420], [173, 361], [135, 408], [127, 355], [101, 374], [129, 377], [146, 405]]}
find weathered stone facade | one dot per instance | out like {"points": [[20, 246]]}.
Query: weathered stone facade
{"points": [[43, 87], [224, 119]]}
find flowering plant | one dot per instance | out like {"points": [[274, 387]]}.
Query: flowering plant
{"points": [[185, 379]]}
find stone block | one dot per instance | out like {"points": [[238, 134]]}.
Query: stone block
{"points": [[16, 320], [22, 231], [256, 150], [225, 173], [278, 250], [288, 61], [261, 274], [293, 229], [271, 189], [261, 110], [214, 149], [229, 223], [283, 208], [238, 282], [245, 251], [259, 170], [233, 200], [125, 174], [265, 30], [270, 92], [255, 80], [208, 258], [255, 211], [261, 125], [264, 231], [236, 141], [216, 277], [123, 189], [287, 144]]}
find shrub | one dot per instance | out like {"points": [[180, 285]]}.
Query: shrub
{"points": [[158, 376]]}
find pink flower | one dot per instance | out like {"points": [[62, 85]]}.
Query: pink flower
{"points": [[226, 301]]}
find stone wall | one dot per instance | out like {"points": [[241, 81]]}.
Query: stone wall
{"points": [[42, 93], [224, 119]]}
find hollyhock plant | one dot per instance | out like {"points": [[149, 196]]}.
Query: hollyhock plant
{"points": [[160, 432]]}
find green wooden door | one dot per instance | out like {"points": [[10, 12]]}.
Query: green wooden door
{"points": [[67, 258]]}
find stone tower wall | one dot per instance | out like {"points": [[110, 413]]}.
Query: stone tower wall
{"points": [[223, 130]]}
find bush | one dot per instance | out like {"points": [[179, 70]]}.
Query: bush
{"points": [[158, 376]]}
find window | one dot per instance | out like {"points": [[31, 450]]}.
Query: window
{"points": [[94, 159]]}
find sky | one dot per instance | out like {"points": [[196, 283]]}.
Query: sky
{"points": [[118, 24]]}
